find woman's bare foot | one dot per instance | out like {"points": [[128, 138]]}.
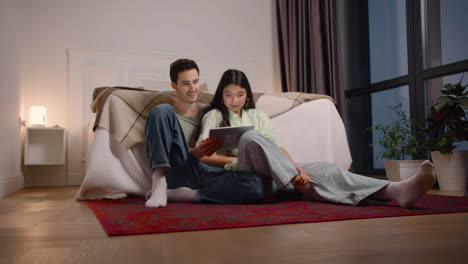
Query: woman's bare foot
{"points": [[308, 191], [409, 191]]}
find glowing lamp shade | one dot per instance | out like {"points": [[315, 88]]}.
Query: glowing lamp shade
{"points": [[37, 115]]}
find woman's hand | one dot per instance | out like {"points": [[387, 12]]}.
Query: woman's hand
{"points": [[302, 178], [206, 148]]}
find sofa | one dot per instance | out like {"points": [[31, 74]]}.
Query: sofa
{"points": [[307, 125]]}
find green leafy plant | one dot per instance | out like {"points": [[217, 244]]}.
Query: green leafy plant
{"points": [[447, 118], [399, 138]]}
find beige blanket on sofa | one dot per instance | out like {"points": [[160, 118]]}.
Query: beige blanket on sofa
{"points": [[123, 110]]}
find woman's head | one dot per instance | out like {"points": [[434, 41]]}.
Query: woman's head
{"points": [[233, 93]]}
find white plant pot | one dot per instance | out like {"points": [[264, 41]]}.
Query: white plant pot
{"points": [[451, 170], [399, 170]]}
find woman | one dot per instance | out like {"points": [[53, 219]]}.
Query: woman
{"points": [[259, 151]]}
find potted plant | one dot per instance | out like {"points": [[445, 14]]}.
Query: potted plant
{"points": [[401, 146], [448, 125]]}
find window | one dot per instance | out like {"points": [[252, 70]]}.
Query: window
{"points": [[382, 114], [398, 52], [387, 40], [445, 33]]}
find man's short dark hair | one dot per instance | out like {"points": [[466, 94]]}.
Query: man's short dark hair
{"points": [[181, 65]]}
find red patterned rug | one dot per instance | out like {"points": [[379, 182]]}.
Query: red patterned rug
{"points": [[130, 216]]}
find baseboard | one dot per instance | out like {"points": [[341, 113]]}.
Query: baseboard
{"points": [[11, 185], [75, 179]]}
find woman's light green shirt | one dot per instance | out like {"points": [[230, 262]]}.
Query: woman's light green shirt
{"points": [[255, 117]]}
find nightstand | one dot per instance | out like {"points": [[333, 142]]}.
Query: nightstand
{"points": [[44, 146]]}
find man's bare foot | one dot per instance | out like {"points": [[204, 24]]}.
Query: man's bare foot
{"points": [[410, 190], [158, 191]]}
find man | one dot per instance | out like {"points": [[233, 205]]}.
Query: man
{"points": [[178, 175]]}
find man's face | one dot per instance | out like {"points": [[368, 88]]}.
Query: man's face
{"points": [[187, 86]]}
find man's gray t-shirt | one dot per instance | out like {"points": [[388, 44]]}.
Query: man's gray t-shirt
{"points": [[191, 124]]}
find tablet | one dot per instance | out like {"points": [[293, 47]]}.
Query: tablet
{"points": [[229, 136]]}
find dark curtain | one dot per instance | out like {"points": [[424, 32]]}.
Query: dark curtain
{"points": [[310, 58]]}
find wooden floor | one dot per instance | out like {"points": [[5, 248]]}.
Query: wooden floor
{"points": [[46, 225]]}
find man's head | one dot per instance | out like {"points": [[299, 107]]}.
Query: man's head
{"points": [[184, 75]]}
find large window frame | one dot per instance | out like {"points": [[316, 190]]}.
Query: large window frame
{"points": [[417, 74]]}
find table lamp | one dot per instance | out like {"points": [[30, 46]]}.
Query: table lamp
{"points": [[37, 115]]}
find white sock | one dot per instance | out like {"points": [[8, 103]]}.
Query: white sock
{"points": [[182, 195], [158, 191]]}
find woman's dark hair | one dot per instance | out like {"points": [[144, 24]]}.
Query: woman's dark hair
{"points": [[229, 77], [181, 65]]}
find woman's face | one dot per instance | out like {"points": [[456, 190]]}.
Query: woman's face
{"points": [[234, 98]]}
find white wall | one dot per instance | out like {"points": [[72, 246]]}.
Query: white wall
{"points": [[11, 31], [203, 28]]}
